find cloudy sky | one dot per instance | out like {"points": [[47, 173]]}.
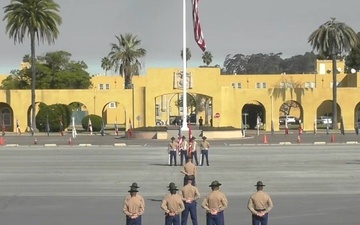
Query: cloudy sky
{"points": [[229, 27]]}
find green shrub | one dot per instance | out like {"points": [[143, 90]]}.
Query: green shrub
{"points": [[54, 115], [96, 122], [219, 128], [157, 128]]}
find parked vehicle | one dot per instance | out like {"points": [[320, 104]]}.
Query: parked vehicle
{"points": [[324, 120], [289, 119]]}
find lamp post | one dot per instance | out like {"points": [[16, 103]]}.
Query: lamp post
{"points": [[245, 115]]}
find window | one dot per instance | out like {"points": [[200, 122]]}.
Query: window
{"points": [[233, 85], [239, 85], [112, 105], [307, 84], [107, 86], [101, 86], [157, 110], [258, 85], [289, 85], [263, 85], [282, 84], [6, 116]]}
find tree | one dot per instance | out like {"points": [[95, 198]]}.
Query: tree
{"points": [[353, 59], [188, 54], [106, 64], [55, 71], [333, 38], [124, 56], [207, 58], [38, 19]]}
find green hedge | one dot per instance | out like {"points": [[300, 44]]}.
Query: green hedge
{"points": [[96, 122], [54, 114]]}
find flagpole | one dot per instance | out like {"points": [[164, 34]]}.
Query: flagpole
{"points": [[184, 121]]}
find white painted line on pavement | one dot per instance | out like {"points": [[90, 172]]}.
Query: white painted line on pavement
{"points": [[50, 145], [12, 145], [285, 143], [84, 145], [319, 143], [351, 142], [119, 144]]}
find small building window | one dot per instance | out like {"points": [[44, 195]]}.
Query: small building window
{"points": [[112, 105], [239, 85], [157, 110], [263, 85], [233, 85], [101, 86], [258, 85], [107, 86], [282, 85]]}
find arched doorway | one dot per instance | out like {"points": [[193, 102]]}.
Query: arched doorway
{"points": [[253, 114]]}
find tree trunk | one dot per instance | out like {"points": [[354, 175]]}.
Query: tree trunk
{"points": [[33, 81], [334, 90]]}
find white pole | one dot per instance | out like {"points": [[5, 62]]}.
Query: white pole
{"points": [[184, 124]]}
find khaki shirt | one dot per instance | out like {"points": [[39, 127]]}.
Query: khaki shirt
{"points": [[215, 200], [204, 145], [193, 146], [189, 169], [260, 201], [173, 146], [134, 205], [189, 193], [172, 204], [183, 145]]}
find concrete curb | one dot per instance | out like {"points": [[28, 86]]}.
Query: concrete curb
{"points": [[85, 145], [119, 145]]}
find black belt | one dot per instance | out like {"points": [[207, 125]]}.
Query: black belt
{"points": [[259, 210]]}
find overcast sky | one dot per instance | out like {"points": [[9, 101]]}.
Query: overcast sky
{"points": [[229, 27]]}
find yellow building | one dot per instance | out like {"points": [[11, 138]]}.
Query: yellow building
{"points": [[224, 100]]}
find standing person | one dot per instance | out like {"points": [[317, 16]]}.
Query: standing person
{"points": [[204, 147], [201, 121], [189, 169], [193, 148], [189, 195], [173, 145], [133, 208], [183, 150], [260, 205], [215, 203], [172, 205]]}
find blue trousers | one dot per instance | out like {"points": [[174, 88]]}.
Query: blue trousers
{"points": [[194, 156], [217, 219], [183, 156], [172, 220], [189, 208], [172, 156], [257, 220], [130, 221], [204, 153]]}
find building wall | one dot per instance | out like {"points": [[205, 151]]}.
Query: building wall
{"points": [[228, 95]]}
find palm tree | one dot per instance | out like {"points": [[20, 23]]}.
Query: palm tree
{"points": [[106, 64], [188, 54], [207, 58], [331, 39], [124, 56], [38, 19]]}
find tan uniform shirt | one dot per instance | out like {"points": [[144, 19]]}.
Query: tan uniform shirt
{"points": [[173, 146], [136, 196], [189, 193], [204, 145], [189, 169], [194, 146], [172, 204], [260, 201], [215, 200], [134, 205], [183, 145]]}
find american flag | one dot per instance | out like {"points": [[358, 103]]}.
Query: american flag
{"points": [[198, 34], [90, 125]]}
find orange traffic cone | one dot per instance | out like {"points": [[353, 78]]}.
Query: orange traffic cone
{"points": [[35, 141], [298, 139], [332, 139], [265, 141], [70, 141], [2, 142]]}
